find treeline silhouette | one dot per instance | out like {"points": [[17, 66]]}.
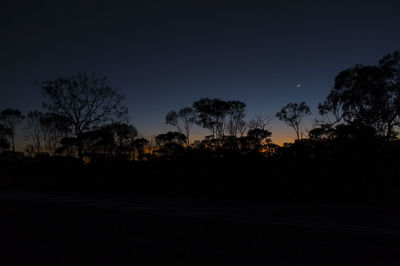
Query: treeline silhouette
{"points": [[82, 140]]}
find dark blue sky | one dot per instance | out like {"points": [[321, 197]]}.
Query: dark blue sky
{"points": [[164, 55]]}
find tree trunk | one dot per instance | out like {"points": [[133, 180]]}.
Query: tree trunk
{"points": [[389, 133], [187, 138], [13, 142]]}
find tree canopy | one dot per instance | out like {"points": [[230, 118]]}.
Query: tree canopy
{"points": [[220, 116], [182, 120], [293, 114], [367, 95]]}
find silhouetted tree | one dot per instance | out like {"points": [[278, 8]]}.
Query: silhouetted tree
{"points": [[209, 143], [5, 133], [368, 95], [99, 141], [68, 146], [322, 132], [230, 145], [355, 131], [169, 137], [211, 115], [45, 131], [390, 65], [30, 150], [258, 135], [139, 146], [171, 142], [293, 114], [55, 127], [258, 138], [124, 135], [108, 140], [219, 116], [260, 121], [86, 101], [10, 119], [182, 120], [34, 131], [236, 124]]}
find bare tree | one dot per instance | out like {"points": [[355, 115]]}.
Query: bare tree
{"points": [[85, 101], [293, 114], [260, 121]]}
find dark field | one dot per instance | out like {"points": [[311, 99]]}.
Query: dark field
{"points": [[49, 229]]}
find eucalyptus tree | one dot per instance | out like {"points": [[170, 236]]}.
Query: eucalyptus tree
{"points": [[220, 116], [368, 96], [170, 143], [183, 121], [211, 115], [293, 115], [236, 125]]}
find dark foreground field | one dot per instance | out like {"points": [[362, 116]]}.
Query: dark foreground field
{"points": [[49, 229]]}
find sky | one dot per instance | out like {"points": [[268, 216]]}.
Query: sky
{"points": [[164, 55]]}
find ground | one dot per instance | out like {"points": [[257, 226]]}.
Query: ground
{"points": [[63, 229]]}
